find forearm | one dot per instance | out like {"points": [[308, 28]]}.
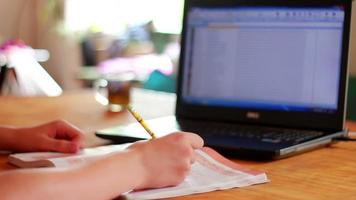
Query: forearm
{"points": [[113, 175], [7, 138], [104, 179]]}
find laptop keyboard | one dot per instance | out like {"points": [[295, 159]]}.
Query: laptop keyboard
{"points": [[265, 134]]}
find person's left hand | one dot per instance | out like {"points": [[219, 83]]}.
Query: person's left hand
{"points": [[59, 136]]}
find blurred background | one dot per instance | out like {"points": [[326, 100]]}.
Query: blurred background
{"points": [[86, 39]]}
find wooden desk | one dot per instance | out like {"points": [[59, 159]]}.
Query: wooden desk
{"points": [[327, 173]]}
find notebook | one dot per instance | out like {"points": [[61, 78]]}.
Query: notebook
{"points": [[259, 77]]}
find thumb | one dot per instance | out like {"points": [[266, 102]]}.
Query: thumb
{"points": [[63, 146]]}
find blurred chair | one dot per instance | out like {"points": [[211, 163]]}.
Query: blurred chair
{"points": [[3, 70], [88, 52], [24, 76]]}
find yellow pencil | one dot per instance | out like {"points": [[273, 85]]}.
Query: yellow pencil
{"points": [[141, 121]]}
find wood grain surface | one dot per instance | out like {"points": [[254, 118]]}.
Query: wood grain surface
{"points": [[326, 173]]}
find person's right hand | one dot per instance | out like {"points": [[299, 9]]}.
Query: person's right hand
{"points": [[167, 161]]}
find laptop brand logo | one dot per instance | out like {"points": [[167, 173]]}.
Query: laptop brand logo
{"points": [[253, 115]]}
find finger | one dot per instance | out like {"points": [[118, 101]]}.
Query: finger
{"points": [[79, 141], [195, 140], [137, 144], [63, 146], [67, 131]]}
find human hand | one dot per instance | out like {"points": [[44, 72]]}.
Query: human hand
{"points": [[59, 136], [167, 161]]}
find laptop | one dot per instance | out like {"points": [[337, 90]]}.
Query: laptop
{"points": [[260, 77]]}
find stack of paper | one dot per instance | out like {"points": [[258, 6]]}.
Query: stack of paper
{"points": [[53, 159], [210, 171]]}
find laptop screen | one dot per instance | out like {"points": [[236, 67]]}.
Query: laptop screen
{"points": [[269, 58]]}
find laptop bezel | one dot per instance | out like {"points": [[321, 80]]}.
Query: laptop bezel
{"points": [[304, 120]]}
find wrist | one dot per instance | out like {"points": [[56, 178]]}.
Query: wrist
{"points": [[141, 171], [8, 138]]}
